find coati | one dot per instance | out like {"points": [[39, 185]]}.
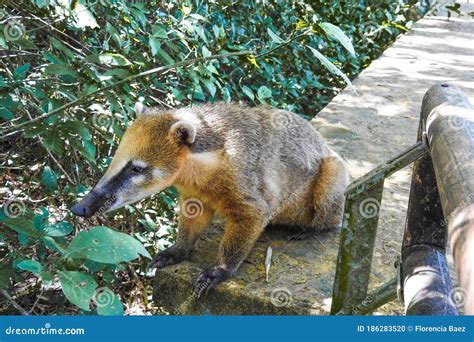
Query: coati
{"points": [[254, 166]]}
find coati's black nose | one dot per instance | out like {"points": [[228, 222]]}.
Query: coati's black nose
{"points": [[81, 210], [88, 206]]}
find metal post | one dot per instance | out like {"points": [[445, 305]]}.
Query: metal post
{"points": [[449, 122], [425, 283], [356, 245]]}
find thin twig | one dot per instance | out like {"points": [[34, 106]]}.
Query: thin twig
{"points": [[13, 303]]}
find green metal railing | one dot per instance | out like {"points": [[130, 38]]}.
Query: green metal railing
{"points": [[423, 251]]}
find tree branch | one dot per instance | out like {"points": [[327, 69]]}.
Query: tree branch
{"points": [[17, 128]]}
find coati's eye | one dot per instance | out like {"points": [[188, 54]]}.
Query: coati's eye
{"points": [[137, 169]]}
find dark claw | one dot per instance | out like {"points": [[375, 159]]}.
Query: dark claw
{"points": [[169, 256], [209, 279]]}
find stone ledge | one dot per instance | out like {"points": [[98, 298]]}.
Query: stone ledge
{"points": [[300, 278]]}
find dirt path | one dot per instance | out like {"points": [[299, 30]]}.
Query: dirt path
{"points": [[382, 119]]}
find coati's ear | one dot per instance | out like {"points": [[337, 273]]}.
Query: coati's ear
{"points": [[185, 131], [139, 108]]}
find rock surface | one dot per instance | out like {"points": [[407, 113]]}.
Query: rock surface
{"points": [[366, 128]]}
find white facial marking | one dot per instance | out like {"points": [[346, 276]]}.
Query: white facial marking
{"points": [[139, 163], [138, 179], [159, 173]]}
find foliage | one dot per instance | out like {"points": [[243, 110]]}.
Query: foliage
{"points": [[80, 64], [101, 248]]}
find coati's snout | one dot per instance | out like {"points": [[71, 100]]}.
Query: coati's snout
{"points": [[147, 161], [90, 205]]}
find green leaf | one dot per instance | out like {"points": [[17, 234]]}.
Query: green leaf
{"points": [[5, 273], [30, 266], [53, 142], [159, 32], [205, 51], [109, 59], [54, 245], [47, 279], [108, 303], [39, 220], [59, 69], [21, 70], [165, 57], [331, 67], [22, 226], [247, 91], [42, 3], [89, 150], [58, 229], [103, 244], [209, 86], [6, 114], [155, 45], [274, 36], [49, 179], [336, 33], [264, 92], [79, 288]]}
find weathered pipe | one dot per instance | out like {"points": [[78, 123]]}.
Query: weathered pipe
{"points": [[449, 122], [446, 180]]}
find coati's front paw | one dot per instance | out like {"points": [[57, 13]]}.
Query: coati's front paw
{"points": [[209, 279], [170, 256]]}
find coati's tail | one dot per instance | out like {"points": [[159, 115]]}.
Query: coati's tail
{"points": [[328, 196]]}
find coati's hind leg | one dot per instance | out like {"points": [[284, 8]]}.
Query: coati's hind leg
{"points": [[328, 195], [194, 218]]}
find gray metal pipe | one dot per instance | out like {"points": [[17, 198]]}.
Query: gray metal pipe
{"points": [[448, 119]]}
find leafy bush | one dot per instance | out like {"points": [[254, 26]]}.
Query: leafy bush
{"points": [[71, 75]]}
